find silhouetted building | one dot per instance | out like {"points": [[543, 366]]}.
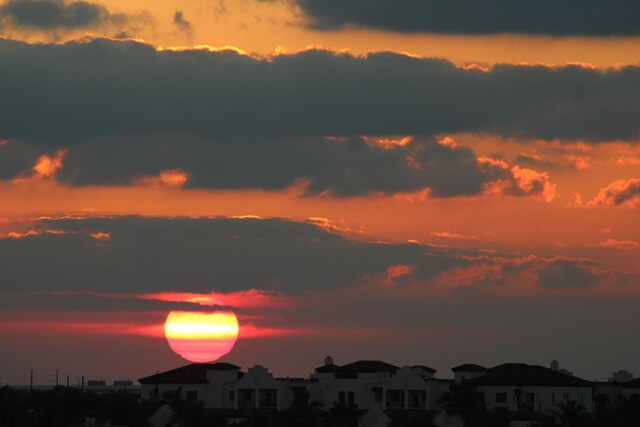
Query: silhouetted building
{"points": [[212, 383], [512, 393]]}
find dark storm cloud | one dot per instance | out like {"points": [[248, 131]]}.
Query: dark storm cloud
{"points": [[567, 273], [16, 158], [343, 167], [53, 14], [75, 91], [543, 17], [223, 255], [339, 167], [491, 272], [149, 254]]}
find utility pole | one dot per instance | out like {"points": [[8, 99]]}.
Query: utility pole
{"points": [[31, 381], [82, 388], [67, 381], [56, 378]]}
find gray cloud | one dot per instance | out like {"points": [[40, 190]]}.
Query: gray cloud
{"points": [[224, 254], [153, 254], [545, 17], [17, 158], [76, 91], [181, 23], [345, 168], [567, 273], [53, 14], [619, 193], [340, 167]]}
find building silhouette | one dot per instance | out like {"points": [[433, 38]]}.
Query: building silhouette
{"points": [[518, 394]]}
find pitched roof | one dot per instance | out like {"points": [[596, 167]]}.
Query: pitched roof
{"points": [[520, 374], [469, 367], [330, 368], [369, 366], [364, 366], [424, 368], [196, 373]]}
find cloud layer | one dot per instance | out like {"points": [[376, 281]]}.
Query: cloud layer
{"points": [[53, 14], [336, 167], [124, 112], [150, 255], [59, 16], [547, 17], [77, 91]]}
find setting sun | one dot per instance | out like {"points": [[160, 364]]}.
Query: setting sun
{"points": [[201, 336]]}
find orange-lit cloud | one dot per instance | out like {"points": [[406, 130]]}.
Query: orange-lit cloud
{"points": [[333, 226], [617, 244], [456, 236], [624, 192], [249, 299], [387, 143], [519, 181], [535, 183], [19, 235], [579, 162], [45, 169], [47, 166], [418, 196], [252, 298], [474, 66], [626, 161], [396, 272], [448, 141], [173, 178], [101, 236]]}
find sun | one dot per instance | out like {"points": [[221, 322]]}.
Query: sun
{"points": [[201, 336]]}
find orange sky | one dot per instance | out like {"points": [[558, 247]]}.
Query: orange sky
{"points": [[548, 207]]}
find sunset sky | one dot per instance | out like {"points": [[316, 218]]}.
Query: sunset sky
{"points": [[428, 182]]}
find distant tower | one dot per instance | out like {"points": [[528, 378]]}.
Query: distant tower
{"points": [[328, 361], [556, 367], [622, 376]]}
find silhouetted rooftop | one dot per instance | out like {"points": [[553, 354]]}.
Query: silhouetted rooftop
{"points": [[469, 367], [353, 369], [196, 373], [328, 369], [424, 368], [365, 366], [520, 374]]}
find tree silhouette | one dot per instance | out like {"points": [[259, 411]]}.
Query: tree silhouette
{"points": [[411, 418], [572, 414], [186, 412], [463, 399], [122, 408], [342, 415], [302, 412], [630, 410]]}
